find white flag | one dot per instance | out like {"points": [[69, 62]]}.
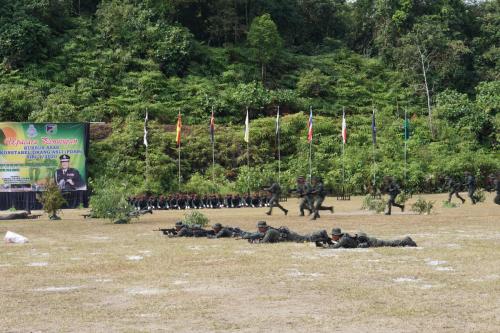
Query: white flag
{"points": [[146, 129], [344, 129], [247, 129], [278, 121]]}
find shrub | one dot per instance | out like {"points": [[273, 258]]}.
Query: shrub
{"points": [[195, 217], [373, 204], [423, 206], [480, 196], [402, 198], [52, 200], [109, 201], [447, 204]]}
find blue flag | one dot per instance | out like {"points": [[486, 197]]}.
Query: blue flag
{"points": [[374, 129]]}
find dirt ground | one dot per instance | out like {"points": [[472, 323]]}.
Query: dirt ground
{"points": [[80, 275]]}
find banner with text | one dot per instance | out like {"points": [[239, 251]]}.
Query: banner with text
{"points": [[33, 153]]}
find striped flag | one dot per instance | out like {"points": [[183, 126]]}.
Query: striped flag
{"points": [[247, 129], [212, 127], [146, 129], [310, 126], [278, 121], [344, 128], [179, 128], [374, 129]]}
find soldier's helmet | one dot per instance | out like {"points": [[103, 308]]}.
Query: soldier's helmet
{"points": [[179, 224], [217, 226], [262, 224], [336, 232]]}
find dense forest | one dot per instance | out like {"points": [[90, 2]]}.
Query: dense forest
{"points": [[110, 61]]}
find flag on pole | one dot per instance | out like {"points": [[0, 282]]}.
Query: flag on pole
{"points": [[212, 127], [278, 121], [247, 129], [179, 128], [374, 129], [344, 128], [146, 129], [406, 128], [310, 126]]}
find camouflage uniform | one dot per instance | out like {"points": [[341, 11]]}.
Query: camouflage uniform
{"points": [[225, 232], [365, 241], [393, 190], [182, 230], [320, 193], [275, 191], [470, 182], [345, 241], [306, 198], [454, 188], [15, 216]]}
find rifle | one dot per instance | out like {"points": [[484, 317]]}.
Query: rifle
{"points": [[167, 231], [300, 193], [251, 237]]}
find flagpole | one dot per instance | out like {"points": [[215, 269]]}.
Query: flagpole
{"points": [[213, 151], [343, 149], [279, 152], [179, 158], [373, 145], [146, 144], [405, 154], [248, 151], [310, 151]]}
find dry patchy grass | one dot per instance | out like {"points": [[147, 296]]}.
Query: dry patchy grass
{"points": [[80, 275]]}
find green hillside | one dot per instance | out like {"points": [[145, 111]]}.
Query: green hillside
{"points": [[110, 61]]}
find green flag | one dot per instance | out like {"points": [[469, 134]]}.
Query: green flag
{"points": [[406, 128]]}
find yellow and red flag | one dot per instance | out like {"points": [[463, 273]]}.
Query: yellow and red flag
{"points": [[179, 128]]}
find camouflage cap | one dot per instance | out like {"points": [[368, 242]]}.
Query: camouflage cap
{"points": [[217, 226], [196, 226], [262, 224], [336, 232], [179, 224]]}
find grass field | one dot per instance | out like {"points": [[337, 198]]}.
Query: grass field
{"points": [[80, 275]]}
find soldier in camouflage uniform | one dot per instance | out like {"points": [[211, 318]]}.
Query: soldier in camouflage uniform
{"points": [[342, 240], [183, 230], [393, 190], [304, 190], [453, 188], [365, 241], [470, 182], [320, 195], [225, 232], [275, 191]]}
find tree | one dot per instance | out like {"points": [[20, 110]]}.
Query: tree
{"points": [[173, 49], [265, 41], [313, 83], [431, 57]]}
